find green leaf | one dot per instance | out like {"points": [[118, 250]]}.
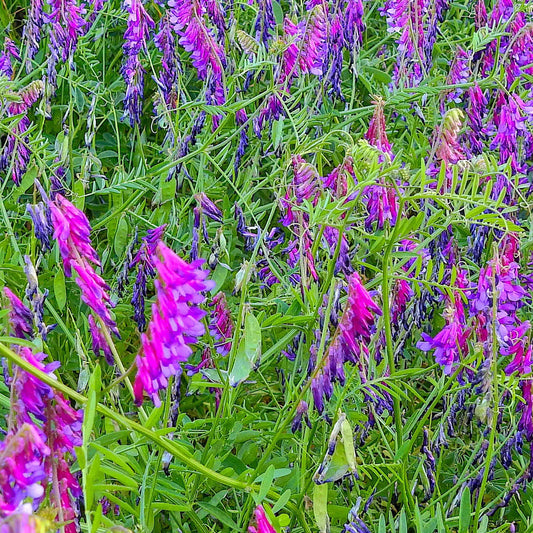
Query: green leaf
{"points": [[248, 352], [283, 499], [60, 292], [320, 507], [266, 483], [219, 514], [95, 383], [465, 511], [121, 236]]}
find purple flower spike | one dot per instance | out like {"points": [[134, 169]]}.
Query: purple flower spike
{"points": [[241, 118], [459, 73], [221, 325], [42, 223], [165, 41], [17, 151], [67, 25], [377, 132], [21, 469], [450, 344], [349, 342], [314, 42], [208, 207], [175, 324], [20, 317], [135, 38], [31, 34], [265, 22], [187, 17], [72, 232]]}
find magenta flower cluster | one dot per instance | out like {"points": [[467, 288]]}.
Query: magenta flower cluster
{"points": [[72, 233], [175, 322]]}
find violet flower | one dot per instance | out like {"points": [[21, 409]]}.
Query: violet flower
{"points": [[165, 42], [221, 324], [305, 186], [313, 46], [264, 22], [349, 342], [477, 104], [406, 17], [459, 73], [72, 232], [187, 18], [22, 472], [20, 317], [42, 224], [241, 118], [143, 262], [208, 207], [450, 344], [66, 26], [334, 57], [135, 38], [175, 322], [17, 152], [31, 33], [301, 414], [509, 122]]}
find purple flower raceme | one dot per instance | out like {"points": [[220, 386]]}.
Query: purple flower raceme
{"points": [[22, 472], [451, 343], [58, 425], [175, 322], [72, 232], [520, 51], [406, 18], [264, 22], [241, 118], [349, 342], [17, 152], [477, 105], [143, 262], [305, 185], [313, 46], [509, 120], [42, 223], [188, 20], [221, 324], [459, 73], [381, 199], [165, 42], [10, 51], [20, 317], [135, 38], [31, 34], [66, 25]]}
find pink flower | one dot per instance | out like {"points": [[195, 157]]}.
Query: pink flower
{"points": [[377, 134], [262, 523], [21, 468], [221, 325], [175, 322], [358, 316], [72, 232], [313, 48], [20, 317]]}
